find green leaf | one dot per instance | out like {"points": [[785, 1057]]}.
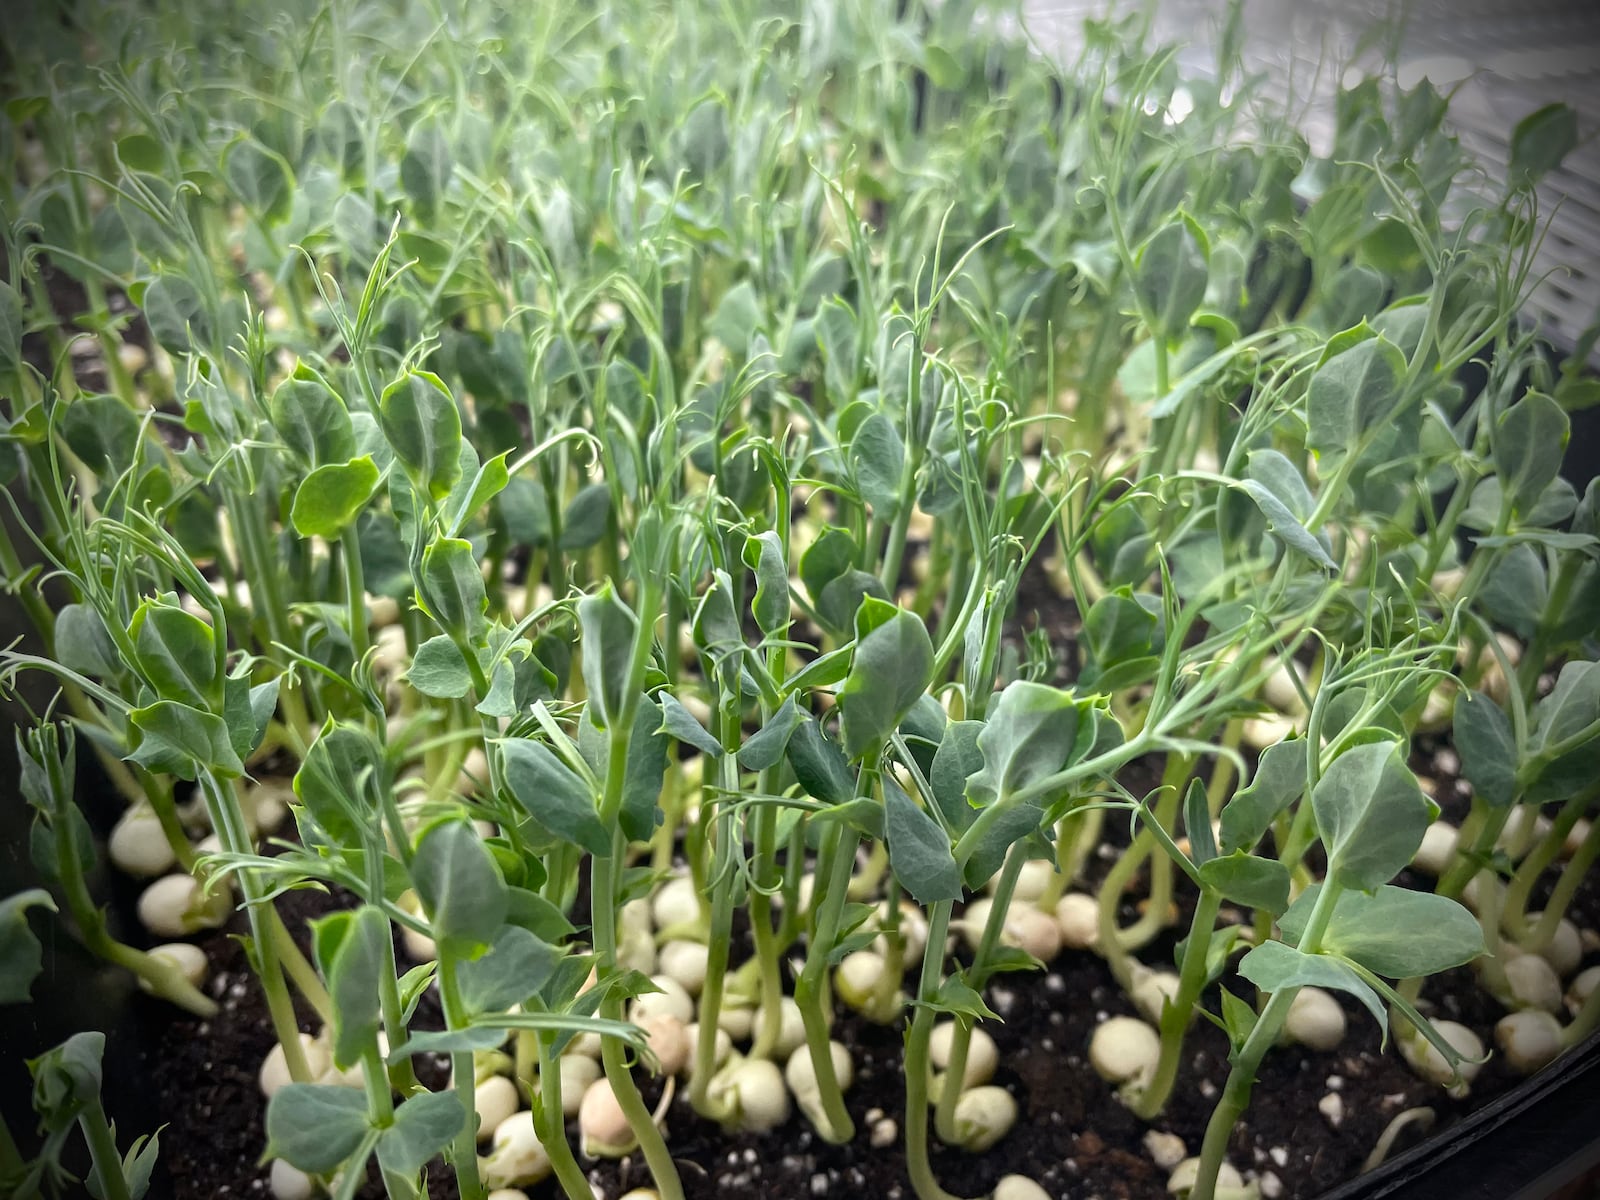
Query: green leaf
{"points": [[1530, 439], [1273, 966], [103, 432], [842, 598], [890, 670], [1197, 823], [1370, 814], [179, 740], [1351, 393], [1029, 733], [1285, 501], [516, 967], [1279, 780], [554, 795], [177, 654], [919, 851], [11, 326], [427, 164], [312, 420], [1118, 628], [736, 318], [1261, 883], [826, 559], [957, 998], [460, 886], [584, 522], [1483, 738], [261, 179], [1170, 275], [83, 643], [765, 748], [450, 587], [21, 957], [332, 779], [353, 950], [877, 457], [332, 496], [678, 722], [763, 554], [173, 308], [1393, 931], [957, 759], [1570, 713], [423, 427], [1540, 141], [986, 858], [491, 479], [820, 765], [645, 771], [438, 669], [316, 1127], [423, 1126], [608, 631]]}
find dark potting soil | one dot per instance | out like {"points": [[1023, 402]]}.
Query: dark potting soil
{"points": [[1315, 1117]]}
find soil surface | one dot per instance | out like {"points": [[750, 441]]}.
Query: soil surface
{"points": [[1315, 1118]]}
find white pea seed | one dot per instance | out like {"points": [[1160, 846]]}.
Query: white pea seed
{"points": [[856, 976], [668, 1039], [1534, 983], [578, 1071], [1151, 991], [602, 1126], [1582, 987], [1438, 848], [382, 611], [1565, 950], [634, 917], [1261, 732], [516, 1156], [913, 931], [1529, 1039], [1124, 1048], [973, 918], [274, 1073], [1166, 1150], [188, 958], [289, 1183], [758, 1094], [671, 1001], [1575, 838], [1187, 1173], [800, 1073], [1019, 1187], [983, 1116], [639, 1193], [173, 906], [983, 1056], [636, 951], [507, 1194], [737, 1021], [1315, 1019], [1078, 915], [684, 962], [1035, 932], [138, 845], [1427, 1062], [494, 1100], [676, 903], [791, 1028], [1032, 881]]}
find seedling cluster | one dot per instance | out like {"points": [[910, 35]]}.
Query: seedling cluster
{"points": [[576, 484]]}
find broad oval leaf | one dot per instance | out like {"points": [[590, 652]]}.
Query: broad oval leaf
{"points": [[423, 426], [316, 1127], [460, 886], [1352, 393], [332, 496], [554, 795], [1393, 931], [919, 851], [889, 671], [1370, 814]]}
